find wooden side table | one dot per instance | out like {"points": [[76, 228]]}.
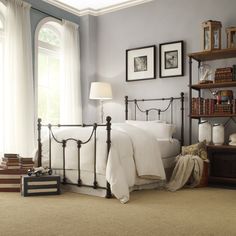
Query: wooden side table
{"points": [[222, 165]]}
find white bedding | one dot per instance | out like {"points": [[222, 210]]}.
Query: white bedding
{"points": [[169, 149], [133, 152]]}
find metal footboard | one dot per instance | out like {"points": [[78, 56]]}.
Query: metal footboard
{"points": [[79, 143]]}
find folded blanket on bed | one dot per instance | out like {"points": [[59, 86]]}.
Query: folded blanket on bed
{"points": [[188, 167]]}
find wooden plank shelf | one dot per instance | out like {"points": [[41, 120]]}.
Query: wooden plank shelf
{"points": [[214, 85], [225, 146], [213, 115], [213, 55]]}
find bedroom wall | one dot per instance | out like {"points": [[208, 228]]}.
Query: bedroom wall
{"points": [[155, 22]]}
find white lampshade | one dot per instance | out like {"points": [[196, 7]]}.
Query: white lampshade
{"points": [[100, 90]]}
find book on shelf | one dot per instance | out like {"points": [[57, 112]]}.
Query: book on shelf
{"points": [[201, 106], [7, 163], [10, 189], [10, 181], [234, 72], [9, 185], [224, 75], [10, 167], [26, 159], [11, 160], [12, 171], [11, 155], [10, 176]]}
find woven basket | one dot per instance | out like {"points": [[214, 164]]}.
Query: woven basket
{"points": [[204, 178]]}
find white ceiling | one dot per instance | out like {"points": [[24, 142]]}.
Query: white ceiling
{"points": [[94, 7]]}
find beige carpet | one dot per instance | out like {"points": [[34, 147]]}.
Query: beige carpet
{"points": [[205, 211]]}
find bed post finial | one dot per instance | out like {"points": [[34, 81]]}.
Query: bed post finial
{"points": [[182, 118], [108, 125], [39, 143], [126, 107]]}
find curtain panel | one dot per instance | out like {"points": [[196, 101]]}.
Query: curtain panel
{"points": [[17, 120], [71, 105]]}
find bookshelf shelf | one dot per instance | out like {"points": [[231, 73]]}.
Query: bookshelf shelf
{"points": [[212, 116], [214, 85], [213, 55]]}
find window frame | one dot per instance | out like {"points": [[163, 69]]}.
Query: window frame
{"points": [[39, 45]]}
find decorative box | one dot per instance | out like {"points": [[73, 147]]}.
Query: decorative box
{"points": [[37, 186]]}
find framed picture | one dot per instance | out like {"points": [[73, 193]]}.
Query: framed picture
{"points": [[141, 63], [171, 59]]}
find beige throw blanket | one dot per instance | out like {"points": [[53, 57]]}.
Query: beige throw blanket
{"points": [[188, 167]]}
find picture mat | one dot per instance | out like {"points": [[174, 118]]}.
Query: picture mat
{"points": [[149, 52], [174, 71]]}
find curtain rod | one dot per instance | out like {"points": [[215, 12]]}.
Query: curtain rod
{"points": [[60, 19]]}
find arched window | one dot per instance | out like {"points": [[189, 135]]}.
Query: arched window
{"points": [[48, 60]]}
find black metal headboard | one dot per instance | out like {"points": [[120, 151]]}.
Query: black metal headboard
{"points": [[147, 111]]}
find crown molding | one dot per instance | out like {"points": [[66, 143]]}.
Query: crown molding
{"points": [[101, 11]]}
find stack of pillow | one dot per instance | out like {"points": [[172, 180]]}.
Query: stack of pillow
{"points": [[159, 129]]}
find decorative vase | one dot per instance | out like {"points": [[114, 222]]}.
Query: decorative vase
{"points": [[204, 131], [218, 134]]}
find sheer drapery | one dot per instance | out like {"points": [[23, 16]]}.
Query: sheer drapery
{"points": [[18, 114], [71, 107]]}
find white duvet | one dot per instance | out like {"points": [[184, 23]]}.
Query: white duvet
{"points": [[133, 152]]}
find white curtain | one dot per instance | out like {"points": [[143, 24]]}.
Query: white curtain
{"points": [[71, 106], [17, 121]]}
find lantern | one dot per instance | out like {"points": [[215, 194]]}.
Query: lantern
{"points": [[211, 35], [231, 37]]}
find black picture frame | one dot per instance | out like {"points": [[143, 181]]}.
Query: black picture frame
{"points": [[171, 63], [141, 63]]}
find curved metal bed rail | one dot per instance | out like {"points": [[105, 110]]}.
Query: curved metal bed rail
{"points": [[79, 143], [159, 110]]}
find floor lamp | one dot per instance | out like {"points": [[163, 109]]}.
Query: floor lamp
{"points": [[100, 91]]}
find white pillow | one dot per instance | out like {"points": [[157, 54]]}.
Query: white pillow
{"points": [[158, 130]]}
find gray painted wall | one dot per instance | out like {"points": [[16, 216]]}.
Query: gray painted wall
{"points": [[104, 39], [156, 22]]}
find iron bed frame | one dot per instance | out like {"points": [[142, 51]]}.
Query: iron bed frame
{"points": [[93, 135]]}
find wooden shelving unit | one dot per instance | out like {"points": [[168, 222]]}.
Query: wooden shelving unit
{"points": [[223, 157]]}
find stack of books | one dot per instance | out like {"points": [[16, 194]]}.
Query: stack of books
{"points": [[26, 163], [197, 106], [201, 106], [11, 169], [10, 180], [208, 106], [227, 74], [10, 161]]}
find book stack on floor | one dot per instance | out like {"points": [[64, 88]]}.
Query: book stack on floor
{"points": [[10, 162], [26, 163], [11, 170]]}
